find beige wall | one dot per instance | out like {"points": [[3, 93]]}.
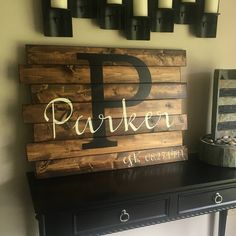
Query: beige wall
{"points": [[20, 25]]}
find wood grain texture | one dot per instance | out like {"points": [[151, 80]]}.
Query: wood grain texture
{"points": [[227, 109], [112, 92], [35, 113], [230, 125], [227, 117], [52, 168], [71, 74], [44, 132], [227, 92], [227, 83], [73, 148], [224, 101], [124, 85], [39, 54]]}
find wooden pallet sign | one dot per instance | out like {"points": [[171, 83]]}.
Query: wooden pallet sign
{"points": [[224, 104], [96, 109]]}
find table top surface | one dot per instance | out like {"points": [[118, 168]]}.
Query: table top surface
{"points": [[84, 190]]}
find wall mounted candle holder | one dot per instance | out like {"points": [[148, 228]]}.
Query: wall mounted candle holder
{"points": [[162, 19], [83, 8], [206, 25], [138, 28], [185, 12], [135, 18], [57, 22], [207, 19], [111, 16]]}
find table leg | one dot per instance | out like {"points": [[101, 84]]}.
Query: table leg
{"points": [[41, 223], [222, 222]]}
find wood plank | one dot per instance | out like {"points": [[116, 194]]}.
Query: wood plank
{"points": [[73, 148], [45, 54], [227, 84], [68, 74], [112, 92], [227, 117], [228, 92], [110, 161], [44, 132], [227, 125], [224, 101], [227, 109], [35, 113]]}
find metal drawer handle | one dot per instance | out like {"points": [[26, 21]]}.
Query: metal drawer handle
{"points": [[218, 198], [124, 217]]}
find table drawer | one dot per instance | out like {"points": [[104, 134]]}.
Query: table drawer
{"points": [[203, 199], [121, 214]]}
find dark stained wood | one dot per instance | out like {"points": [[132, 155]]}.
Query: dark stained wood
{"points": [[227, 109], [227, 125], [35, 113], [52, 168], [56, 72], [39, 54], [73, 148], [112, 92], [228, 92], [78, 192], [71, 74], [44, 132]]}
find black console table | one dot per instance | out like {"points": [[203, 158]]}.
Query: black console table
{"points": [[107, 202]]}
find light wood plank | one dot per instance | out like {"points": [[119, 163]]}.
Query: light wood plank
{"points": [[226, 83]]}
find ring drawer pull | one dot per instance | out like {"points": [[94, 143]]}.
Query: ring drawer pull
{"points": [[124, 217], [218, 198]]}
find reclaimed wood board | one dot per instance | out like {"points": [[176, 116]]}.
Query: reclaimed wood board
{"points": [[76, 74], [111, 161], [46, 54], [44, 132], [36, 113], [112, 92], [224, 104], [74, 148], [96, 109]]}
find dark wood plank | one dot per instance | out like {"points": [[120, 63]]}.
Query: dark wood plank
{"points": [[52, 168], [71, 74], [44, 132], [227, 109], [227, 125], [35, 113], [73, 148], [112, 92], [45, 54], [230, 92]]}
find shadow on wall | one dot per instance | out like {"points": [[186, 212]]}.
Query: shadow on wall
{"points": [[37, 15], [15, 197], [198, 107]]}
